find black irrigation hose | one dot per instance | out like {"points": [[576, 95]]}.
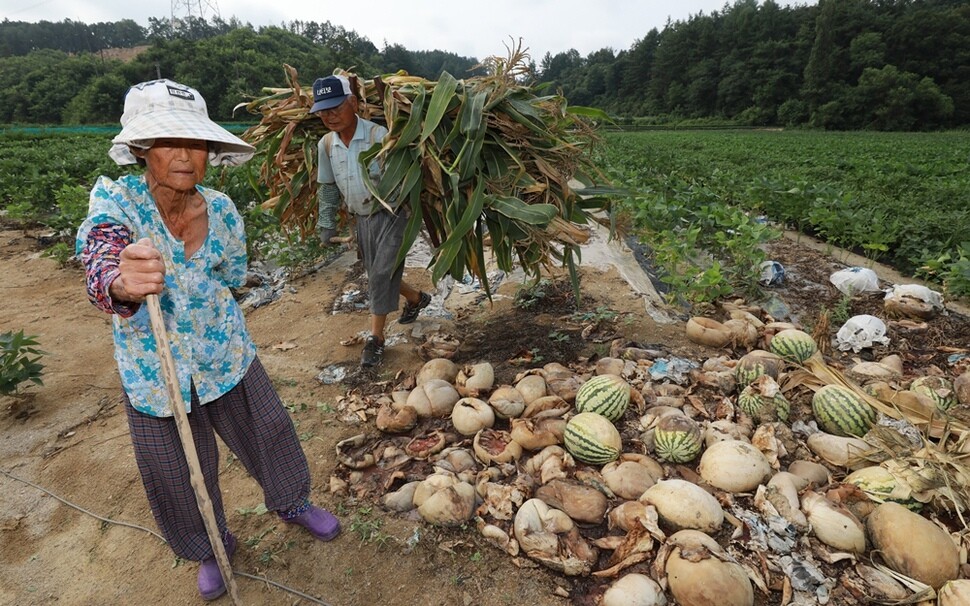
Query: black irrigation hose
{"points": [[160, 538]]}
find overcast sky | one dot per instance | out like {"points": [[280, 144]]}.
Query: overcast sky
{"points": [[472, 29]]}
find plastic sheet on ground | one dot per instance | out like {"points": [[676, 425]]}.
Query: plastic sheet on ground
{"points": [[602, 253], [332, 374], [916, 291], [772, 274], [860, 332], [807, 580], [270, 285], [674, 369], [774, 533], [855, 280]]}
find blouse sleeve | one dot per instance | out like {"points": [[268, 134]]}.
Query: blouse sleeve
{"points": [[100, 256]]}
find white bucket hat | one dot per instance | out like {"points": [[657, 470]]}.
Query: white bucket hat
{"points": [[165, 109]]}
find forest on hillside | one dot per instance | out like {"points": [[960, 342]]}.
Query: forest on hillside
{"points": [[840, 64]]}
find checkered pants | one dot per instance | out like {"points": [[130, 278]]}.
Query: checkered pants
{"points": [[379, 238], [253, 423]]}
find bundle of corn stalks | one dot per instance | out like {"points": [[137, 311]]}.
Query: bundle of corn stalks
{"points": [[478, 159]]}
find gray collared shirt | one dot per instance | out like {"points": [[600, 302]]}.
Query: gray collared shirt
{"points": [[340, 166]]}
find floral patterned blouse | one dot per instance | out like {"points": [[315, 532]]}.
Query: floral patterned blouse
{"points": [[209, 341]]}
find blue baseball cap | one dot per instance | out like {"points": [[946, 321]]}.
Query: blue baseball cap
{"points": [[329, 92]]}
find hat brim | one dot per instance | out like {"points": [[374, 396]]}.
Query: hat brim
{"points": [[327, 104], [229, 149]]}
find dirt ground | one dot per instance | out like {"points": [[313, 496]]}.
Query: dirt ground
{"points": [[69, 437]]}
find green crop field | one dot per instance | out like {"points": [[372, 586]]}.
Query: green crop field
{"points": [[700, 197], [901, 198]]}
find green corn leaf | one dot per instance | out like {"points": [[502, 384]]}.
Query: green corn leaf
{"points": [[472, 114], [444, 92], [413, 228], [589, 112], [282, 204], [450, 249], [525, 108], [411, 183], [399, 163], [457, 268], [412, 128], [517, 210], [471, 160]]}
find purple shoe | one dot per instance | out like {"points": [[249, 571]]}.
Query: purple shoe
{"points": [[211, 584], [321, 523]]}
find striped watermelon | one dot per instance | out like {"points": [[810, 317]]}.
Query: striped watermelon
{"points": [[842, 412], [757, 363], [793, 345], [764, 402], [938, 389], [592, 438], [605, 394], [677, 439]]}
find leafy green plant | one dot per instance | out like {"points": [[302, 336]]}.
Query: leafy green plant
{"points": [[295, 253], [369, 528], [272, 553], [704, 246], [558, 336], [255, 539], [842, 310], [262, 229], [600, 314], [530, 296], [295, 407], [952, 269], [71, 206], [61, 252], [19, 361]]}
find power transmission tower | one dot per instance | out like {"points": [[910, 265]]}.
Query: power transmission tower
{"points": [[204, 9]]}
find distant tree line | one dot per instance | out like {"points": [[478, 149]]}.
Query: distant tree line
{"points": [[49, 77], [840, 64]]}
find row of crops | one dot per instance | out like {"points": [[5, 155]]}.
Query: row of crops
{"points": [[699, 198], [899, 198]]}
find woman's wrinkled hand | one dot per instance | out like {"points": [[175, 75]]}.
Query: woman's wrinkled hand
{"points": [[142, 273]]}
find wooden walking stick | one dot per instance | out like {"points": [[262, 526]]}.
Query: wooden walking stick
{"points": [[196, 479]]}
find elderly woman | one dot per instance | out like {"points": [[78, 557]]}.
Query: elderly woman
{"points": [[161, 232]]}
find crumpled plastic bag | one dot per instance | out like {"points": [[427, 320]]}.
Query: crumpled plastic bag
{"points": [[772, 273], [860, 332], [854, 280], [913, 300]]}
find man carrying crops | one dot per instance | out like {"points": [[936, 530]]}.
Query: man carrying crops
{"points": [[379, 229]]}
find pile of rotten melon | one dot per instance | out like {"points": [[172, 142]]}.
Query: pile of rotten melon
{"points": [[772, 476]]}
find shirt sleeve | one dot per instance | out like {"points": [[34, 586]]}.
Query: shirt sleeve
{"points": [[101, 256], [328, 202], [324, 168]]}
